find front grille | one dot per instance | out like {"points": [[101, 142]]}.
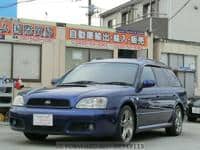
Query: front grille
{"points": [[48, 103]]}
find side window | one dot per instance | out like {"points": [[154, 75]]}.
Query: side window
{"points": [[172, 79], [166, 78], [147, 74], [160, 77]]}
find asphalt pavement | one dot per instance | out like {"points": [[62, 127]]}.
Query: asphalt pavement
{"points": [[152, 140]]}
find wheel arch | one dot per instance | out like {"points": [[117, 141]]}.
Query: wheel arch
{"points": [[133, 108]]}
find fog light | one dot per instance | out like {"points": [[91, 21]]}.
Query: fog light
{"points": [[91, 127]]}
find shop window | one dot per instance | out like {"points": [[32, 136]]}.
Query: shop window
{"points": [[189, 62], [176, 61], [181, 77], [5, 60], [100, 54], [75, 57], [164, 58], [127, 54], [26, 62], [185, 67], [20, 60]]}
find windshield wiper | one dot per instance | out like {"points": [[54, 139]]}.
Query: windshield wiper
{"points": [[80, 82], [118, 83]]}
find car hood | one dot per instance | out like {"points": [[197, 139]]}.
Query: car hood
{"points": [[74, 94]]}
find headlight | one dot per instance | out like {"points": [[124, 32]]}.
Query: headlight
{"points": [[18, 101], [93, 103]]}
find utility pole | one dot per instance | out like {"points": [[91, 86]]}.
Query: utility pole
{"points": [[90, 12], [150, 19]]}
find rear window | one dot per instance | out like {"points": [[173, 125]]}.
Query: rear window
{"points": [[166, 77]]}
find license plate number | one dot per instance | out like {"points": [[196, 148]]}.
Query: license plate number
{"points": [[42, 119], [195, 110]]}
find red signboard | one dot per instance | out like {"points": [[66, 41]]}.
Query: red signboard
{"points": [[94, 38], [27, 30]]}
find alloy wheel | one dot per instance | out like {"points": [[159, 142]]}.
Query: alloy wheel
{"points": [[178, 121], [127, 126]]}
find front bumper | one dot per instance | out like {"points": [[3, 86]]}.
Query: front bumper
{"points": [[75, 122], [189, 112]]}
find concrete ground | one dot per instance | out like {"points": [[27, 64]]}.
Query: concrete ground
{"points": [[152, 140]]}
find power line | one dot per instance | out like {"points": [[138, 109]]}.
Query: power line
{"points": [[180, 10]]}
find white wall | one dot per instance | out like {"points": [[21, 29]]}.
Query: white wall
{"points": [[185, 25]]}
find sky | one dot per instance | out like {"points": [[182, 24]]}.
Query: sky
{"points": [[64, 10]]}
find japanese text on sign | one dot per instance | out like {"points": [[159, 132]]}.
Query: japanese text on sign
{"points": [[122, 40], [27, 30]]}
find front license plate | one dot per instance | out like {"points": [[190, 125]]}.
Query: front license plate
{"points": [[42, 119], [195, 110]]}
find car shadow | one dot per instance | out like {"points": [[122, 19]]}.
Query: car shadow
{"points": [[138, 138]]}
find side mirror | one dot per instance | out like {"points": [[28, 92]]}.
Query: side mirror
{"points": [[148, 83], [55, 81]]}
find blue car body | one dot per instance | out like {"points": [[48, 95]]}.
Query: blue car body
{"points": [[153, 107]]}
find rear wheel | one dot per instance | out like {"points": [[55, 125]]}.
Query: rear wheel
{"points": [[177, 126], [35, 137], [126, 124]]}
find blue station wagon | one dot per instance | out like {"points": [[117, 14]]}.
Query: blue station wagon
{"points": [[104, 98]]}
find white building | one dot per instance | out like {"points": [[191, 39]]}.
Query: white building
{"points": [[172, 19]]}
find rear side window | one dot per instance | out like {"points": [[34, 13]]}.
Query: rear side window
{"points": [[147, 74], [172, 79], [166, 78]]}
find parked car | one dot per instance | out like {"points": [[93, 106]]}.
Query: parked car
{"points": [[112, 97], [193, 111]]}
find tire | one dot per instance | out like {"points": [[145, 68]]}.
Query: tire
{"points": [[191, 119], [176, 128], [35, 137], [125, 125]]}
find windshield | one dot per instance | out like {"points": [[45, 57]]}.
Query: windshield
{"points": [[103, 73]]}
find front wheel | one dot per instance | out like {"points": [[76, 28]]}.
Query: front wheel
{"points": [[125, 124], [35, 137], [177, 126]]}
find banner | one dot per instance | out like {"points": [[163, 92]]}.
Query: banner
{"points": [[108, 40], [19, 30]]}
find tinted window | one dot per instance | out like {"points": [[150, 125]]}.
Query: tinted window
{"points": [[103, 72], [172, 79], [147, 74], [165, 77], [160, 77]]}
